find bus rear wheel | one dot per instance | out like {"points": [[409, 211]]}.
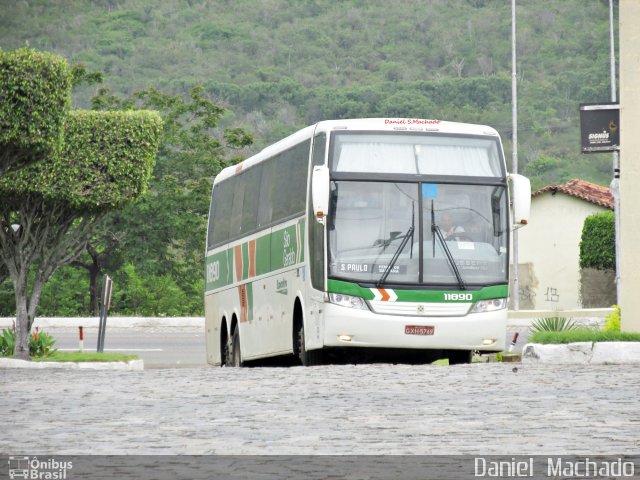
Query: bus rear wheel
{"points": [[235, 355], [308, 358], [458, 357]]}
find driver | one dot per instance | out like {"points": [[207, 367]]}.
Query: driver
{"points": [[450, 230]]}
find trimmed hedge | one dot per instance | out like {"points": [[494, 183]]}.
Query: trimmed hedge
{"points": [[35, 96], [106, 161], [598, 242]]}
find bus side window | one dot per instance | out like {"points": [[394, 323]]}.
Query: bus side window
{"points": [[251, 199], [222, 200], [265, 206]]}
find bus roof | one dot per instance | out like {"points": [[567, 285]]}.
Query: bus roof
{"points": [[360, 124]]}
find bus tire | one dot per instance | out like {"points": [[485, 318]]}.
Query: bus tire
{"points": [[235, 355], [225, 345], [307, 358], [459, 357]]}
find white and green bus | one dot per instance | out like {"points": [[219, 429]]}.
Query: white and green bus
{"points": [[361, 236]]}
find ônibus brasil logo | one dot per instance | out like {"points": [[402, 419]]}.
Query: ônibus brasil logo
{"points": [[32, 468]]}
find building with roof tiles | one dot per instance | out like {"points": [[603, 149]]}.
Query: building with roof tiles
{"points": [[549, 248]]}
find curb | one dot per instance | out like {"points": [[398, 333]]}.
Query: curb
{"points": [[132, 365], [583, 353], [515, 320]]}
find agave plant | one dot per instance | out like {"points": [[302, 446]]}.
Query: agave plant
{"points": [[553, 324]]}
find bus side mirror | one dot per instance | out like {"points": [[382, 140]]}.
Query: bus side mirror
{"points": [[521, 197], [320, 192]]}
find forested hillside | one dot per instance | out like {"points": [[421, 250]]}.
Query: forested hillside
{"points": [[278, 65]]}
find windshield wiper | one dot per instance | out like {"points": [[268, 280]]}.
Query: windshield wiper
{"points": [[394, 259], [436, 232]]}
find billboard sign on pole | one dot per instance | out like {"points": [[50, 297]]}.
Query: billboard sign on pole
{"points": [[600, 127]]}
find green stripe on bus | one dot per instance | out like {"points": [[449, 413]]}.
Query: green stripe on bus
{"points": [[245, 261], [301, 246], [273, 251], [250, 301], [263, 254], [217, 272], [435, 296], [283, 248]]}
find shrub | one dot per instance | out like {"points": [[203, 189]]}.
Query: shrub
{"points": [[598, 242], [105, 162], [612, 321], [40, 343], [35, 92], [7, 342]]}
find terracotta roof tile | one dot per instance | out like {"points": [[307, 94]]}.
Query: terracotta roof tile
{"points": [[583, 190]]}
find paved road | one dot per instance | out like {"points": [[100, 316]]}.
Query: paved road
{"points": [[366, 409], [165, 347], [159, 347]]}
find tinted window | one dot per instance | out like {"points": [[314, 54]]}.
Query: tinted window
{"points": [[290, 182], [265, 206], [260, 196], [251, 197], [222, 201]]}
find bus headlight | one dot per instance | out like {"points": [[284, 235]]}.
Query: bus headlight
{"points": [[347, 301], [489, 305]]}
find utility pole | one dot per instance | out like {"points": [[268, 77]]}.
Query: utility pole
{"points": [[514, 157], [615, 183]]}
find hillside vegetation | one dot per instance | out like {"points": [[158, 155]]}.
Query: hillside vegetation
{"points": [[278, 65]]}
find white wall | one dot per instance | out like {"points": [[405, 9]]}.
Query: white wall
{"points": [[549, 250], [629, 164]]}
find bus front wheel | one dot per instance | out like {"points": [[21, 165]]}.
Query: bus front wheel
{"points": [[307, 358]]}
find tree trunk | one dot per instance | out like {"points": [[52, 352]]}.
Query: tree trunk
{"points": [[23, 326], [94, 272]]}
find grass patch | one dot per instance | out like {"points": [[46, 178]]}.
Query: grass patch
{"points": [[85, 357], [441, 362], [583, 335]]}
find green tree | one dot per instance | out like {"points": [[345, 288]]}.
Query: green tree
{"points": [[48, 209], [163, 234], [598, 242], [34, 99]]}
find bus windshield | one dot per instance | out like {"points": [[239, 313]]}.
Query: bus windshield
{"points": [[391, 152], [386, 231]]}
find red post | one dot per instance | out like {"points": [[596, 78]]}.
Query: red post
{"points": [[513, 341], [81, 331]]}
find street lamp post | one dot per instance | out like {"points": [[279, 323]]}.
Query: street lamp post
{"points": [[615, 183], [514, 157]]}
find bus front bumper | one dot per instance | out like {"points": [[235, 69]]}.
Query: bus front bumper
{"points": [[350, 327]]}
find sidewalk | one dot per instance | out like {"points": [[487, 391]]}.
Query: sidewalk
{"points": [[133, 365]]}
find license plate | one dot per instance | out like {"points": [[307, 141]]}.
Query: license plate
{"points": [[418, 330]]}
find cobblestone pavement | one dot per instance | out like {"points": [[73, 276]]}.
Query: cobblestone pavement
{"points": [[365, 409]]}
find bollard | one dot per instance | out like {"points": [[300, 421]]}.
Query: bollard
{"points": [[81, 341], [513, 341]]}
